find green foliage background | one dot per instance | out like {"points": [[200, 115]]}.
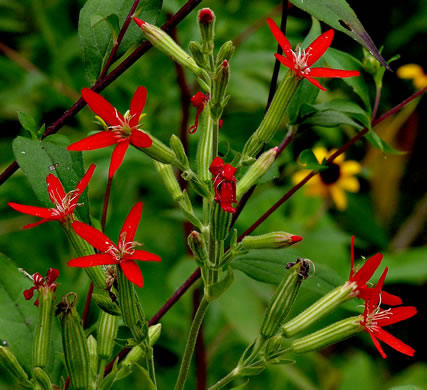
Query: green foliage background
{"points": [[45, 79]]}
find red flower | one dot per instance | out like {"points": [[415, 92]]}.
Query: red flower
{"points": [[65, 203], [301, 60], [198, 100], [374, 319], [224, 184], [122, 254], [40, 282], [124, 129], [362, 276]]}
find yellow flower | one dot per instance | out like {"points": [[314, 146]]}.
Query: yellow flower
{"points": [[413, 72], [332, 182]]}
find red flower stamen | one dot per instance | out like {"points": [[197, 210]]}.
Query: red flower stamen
{"points": [[124, 129], [300, 61], [122, 254], [65, 203], [198, 101]]}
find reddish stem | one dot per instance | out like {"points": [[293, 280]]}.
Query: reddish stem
{"points": [[87, 305]]}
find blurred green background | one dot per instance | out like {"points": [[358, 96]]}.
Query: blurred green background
{"points": [[42, 72]]}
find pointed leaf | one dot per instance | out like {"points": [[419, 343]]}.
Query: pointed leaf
{"points": [[309, 161], [28, 123]]}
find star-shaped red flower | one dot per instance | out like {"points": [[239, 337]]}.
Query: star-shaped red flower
{"points": [[65, 203], [122, 254], [374, 319], [123, 129], [224, 184], [300, 61], [40, 282]]}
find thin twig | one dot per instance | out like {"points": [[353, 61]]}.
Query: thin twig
{"points": [[107, 80], [87, 305]]}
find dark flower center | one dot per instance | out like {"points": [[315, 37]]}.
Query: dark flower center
{"points": [[331, 174]]}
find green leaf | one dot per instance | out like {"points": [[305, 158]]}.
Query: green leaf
{"points": [[339, 15], [217, 289], [380, 144], [39, 158], [330, 119], [407, 267], [28, 123], [18, 316], [100, 21], [145, 377], [406, 387], [240, 387], [309, 161]]}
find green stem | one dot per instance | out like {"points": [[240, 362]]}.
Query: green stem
{"points": [[191, 342], [227, 379], [150, 365]]}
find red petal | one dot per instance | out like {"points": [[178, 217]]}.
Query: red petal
{"points": [[397, 314], [31, 225], [28, 294], [144, 256], [389, 299], [31, 210], [394, 342], [377, 345], [85, 179], [137, 105], [281, 39], [140, 139], [95, 141], [367, 270], [52, 275], [131, 223], [93, 236], [55, 189], [132, 272], [216, 166], [101, 107], [328, 72], [117, 157], [315, 82], [92, 260], [288, 63], [319, 46]]}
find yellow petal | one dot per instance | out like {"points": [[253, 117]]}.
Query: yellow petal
{"points": [[420, 81], [339, 159], [320, 152], [338, 196], [350, 167], [298, 176], [349, 184], [409, 71]]}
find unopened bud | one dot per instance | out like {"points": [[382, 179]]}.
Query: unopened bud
{"points": [[92, 346], [282, 301], [154, 332], [42, 378], [196, 52], [206, 20], [10, 363], [225, 52], [106, 304], [159, 151], [73, 342], [168, 176], [196, 184], [179, 151], [318, 310], [107, 332], [167, 45], [274, 240], [197, 244], [256, 171], [332, 334], [204, 155], [370, 63], [219, 89]]}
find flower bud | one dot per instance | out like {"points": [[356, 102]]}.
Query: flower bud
{"points": [[74, 343], [206, 20], [256, 171], [205, 147], [282, 300], [179, 151], [220, 222], [196, 184], [168, 176], [225, 52], [42, 378], [332, 334], [273, 240], [154, 332], [106, 304], [92, 347], [196, 52], [370, 63], [167, 45], [197, 244], [219, 89], [107, 332], [159, 152], [10, 363], [318, 310]]}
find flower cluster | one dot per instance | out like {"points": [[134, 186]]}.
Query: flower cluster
{"points": [[224, 183], [40, 282]]}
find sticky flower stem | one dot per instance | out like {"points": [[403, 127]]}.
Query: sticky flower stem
{"points": [[227, 379], [191, 342]]}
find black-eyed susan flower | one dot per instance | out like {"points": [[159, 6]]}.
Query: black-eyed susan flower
{"points": [[334, 181], [413, 72]]}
